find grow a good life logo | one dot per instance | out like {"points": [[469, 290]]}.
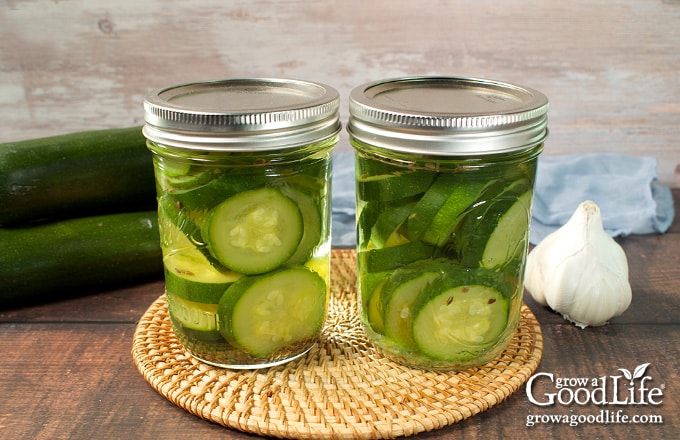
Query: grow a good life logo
{"points": [[604, 390], [613, 394]]}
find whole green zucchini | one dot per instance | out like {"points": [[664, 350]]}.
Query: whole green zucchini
{"points": [[75, 175], [53, 260]]}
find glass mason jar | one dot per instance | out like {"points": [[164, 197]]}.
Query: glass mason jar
{"points": [[445, 170], [243, 180]]}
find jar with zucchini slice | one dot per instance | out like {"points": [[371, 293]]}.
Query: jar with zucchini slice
{"points": [[445, 170], [242, 174]]}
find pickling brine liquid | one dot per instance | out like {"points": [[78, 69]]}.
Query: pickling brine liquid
{"points": [[246, 251], [441, 245]]}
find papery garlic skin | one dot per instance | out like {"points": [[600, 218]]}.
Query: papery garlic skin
{"points": [[580, 271]]}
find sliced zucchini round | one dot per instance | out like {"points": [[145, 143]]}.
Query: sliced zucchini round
{"points": [[196, 320], [510, 235], [398, 300], [457, 323], [255, 231], [311, 219], [190, 275], [394, 186], [264, 313], [489, 234]]}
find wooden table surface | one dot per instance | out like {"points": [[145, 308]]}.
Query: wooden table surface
{"points": [[66, 369]]}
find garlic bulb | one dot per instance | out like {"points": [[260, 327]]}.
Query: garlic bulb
{"points": [[580, 271]]}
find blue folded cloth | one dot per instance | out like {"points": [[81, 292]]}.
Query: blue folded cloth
{"points": [[343, 227], [624, 187]]}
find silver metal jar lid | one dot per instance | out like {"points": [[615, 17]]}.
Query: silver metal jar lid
{"points": [[242, 114], [448, 116]]}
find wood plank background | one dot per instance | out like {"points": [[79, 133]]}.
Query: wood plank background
{"points": [[610, 68]]}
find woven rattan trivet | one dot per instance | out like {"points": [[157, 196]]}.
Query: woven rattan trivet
{"points": [[342, 388]]}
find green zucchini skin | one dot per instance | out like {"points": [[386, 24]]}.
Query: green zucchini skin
{"points": [[76, 175], [55, 260]]}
